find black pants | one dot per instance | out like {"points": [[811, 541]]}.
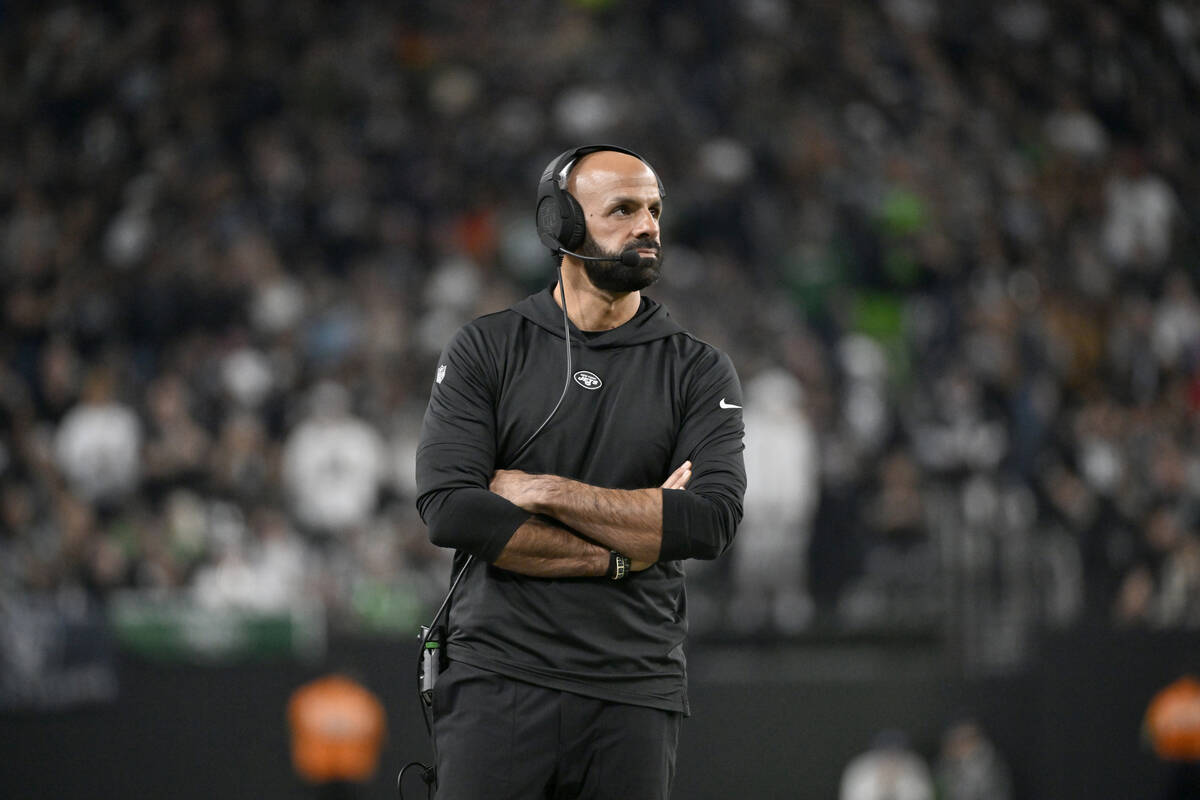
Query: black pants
{"points": [[501, 739]]}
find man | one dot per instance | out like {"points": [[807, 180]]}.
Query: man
{"points": [[566, 674]]}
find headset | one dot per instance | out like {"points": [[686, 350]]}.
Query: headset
{"points": [[562, 228], [560, 221]]}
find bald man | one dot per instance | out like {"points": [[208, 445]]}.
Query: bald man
{"points": [[577, 449]]}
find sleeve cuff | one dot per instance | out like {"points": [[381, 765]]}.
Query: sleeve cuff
{"points": [[675, 545], [480, 522]]}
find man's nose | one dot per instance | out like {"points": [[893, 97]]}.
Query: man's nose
{"points": [[647, 225]]}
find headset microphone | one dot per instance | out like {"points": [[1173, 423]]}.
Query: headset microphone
{"points": [[629, 258]]}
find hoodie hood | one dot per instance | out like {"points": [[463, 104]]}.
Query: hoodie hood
{"points": [[649, 323]]}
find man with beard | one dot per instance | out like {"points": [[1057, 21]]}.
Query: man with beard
{"points": [[571, 501]]}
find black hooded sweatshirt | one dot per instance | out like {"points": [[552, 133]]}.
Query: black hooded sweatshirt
{"points": [[641, 399]]}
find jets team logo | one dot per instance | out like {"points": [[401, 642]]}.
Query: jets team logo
{"points": [[588, 380]]}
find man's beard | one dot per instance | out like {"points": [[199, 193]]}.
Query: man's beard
{"points": [[611, 275]]}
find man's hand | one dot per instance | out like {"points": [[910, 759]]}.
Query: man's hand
{"points": [[680, 477]]}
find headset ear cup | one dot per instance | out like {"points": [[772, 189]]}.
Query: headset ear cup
{"points": [[549, 222], [574, 226]]}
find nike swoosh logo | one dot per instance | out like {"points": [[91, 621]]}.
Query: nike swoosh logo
{"points": [[723, 404]]}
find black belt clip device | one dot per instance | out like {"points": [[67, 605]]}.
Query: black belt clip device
{"points": [[431, 647]]}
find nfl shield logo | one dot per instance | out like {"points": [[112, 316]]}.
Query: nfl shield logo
{"points": [[441, 373]]}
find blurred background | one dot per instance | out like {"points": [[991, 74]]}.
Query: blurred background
{"points": [[951, 248]]}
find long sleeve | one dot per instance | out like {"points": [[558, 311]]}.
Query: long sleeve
{"points": [[456, 455], [700, 522]]}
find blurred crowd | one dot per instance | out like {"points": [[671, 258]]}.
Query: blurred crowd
{"points": [[950, 246], [966, 765]]}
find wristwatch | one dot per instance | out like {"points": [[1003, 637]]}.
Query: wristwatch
{"points": [[618, 566]]}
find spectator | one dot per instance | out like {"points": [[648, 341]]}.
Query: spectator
{"points": [[898, 584], [333, 464], [97, 445], [969, 767], [1162, 589], [771, 559], [889, 770], [1141, 211], [176, 447], [243, 463]]}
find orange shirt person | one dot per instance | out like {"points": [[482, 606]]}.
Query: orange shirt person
{"points": [[1172, 721], [337, 730]]}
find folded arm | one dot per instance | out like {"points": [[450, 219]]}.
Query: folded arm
{"points": [[494, 530], [541, 549], [628, 521]]}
